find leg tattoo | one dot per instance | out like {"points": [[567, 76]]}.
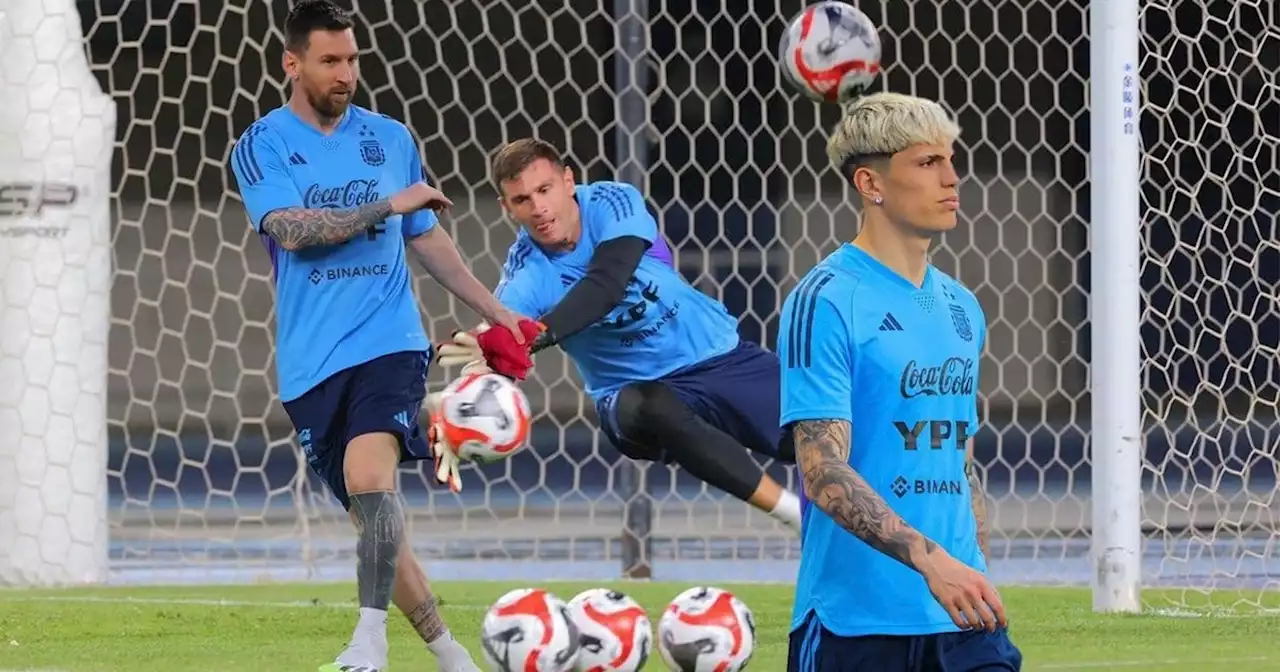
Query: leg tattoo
{"points": [[380, 521], [426, 619]]}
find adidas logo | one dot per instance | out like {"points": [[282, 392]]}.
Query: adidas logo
{"points": [[297, 160], [890, 323], [402, 418]]}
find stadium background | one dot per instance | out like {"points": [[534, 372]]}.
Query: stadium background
{"points": [[203, 468]]}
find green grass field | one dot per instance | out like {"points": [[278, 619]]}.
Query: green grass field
{"points": [[300, 626]]}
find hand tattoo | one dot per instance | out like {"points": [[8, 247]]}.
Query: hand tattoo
{"points": [[822, 452], [297, 228], [978, 498]]}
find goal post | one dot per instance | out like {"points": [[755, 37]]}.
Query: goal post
{"points": [[1118, 227], [1115, 238], [57, 131], [631, 155]]}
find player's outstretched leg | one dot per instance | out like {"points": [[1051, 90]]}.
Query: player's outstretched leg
{"points": [[653, 422], [414, 597], [369, 469]]}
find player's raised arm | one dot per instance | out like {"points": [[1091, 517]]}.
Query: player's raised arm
{"points": [[300, 227], [260, 162]]}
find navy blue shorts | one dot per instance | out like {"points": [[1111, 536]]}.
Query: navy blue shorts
{"points": [[381, 395], [813, 648], [737, 392]]}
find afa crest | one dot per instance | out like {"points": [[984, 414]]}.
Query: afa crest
{"points": [[372, 152], [960, 319]]}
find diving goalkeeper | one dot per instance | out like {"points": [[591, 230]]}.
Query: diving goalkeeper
{"points": [[879, 388], [670, 377]]}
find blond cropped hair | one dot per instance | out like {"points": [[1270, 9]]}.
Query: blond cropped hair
{"points": [[883, 124]]}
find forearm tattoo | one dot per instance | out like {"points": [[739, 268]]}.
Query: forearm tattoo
{"points": [[296, 228], [380, 522], [978, 498], [822, 452], [426, 619]]}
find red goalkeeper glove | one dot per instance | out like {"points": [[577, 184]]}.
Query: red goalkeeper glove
{"points": [[501, 352]]}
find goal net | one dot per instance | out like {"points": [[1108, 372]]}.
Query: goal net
{"points": [[201, 474]]}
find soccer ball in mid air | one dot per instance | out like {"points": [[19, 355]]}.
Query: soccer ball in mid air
{"points": [[484, 416], [706, 630], [830, 52], [529, 630], [614, 631]]}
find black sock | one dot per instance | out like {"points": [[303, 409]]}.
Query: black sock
{"points": [[380, 520], [651, 415]]}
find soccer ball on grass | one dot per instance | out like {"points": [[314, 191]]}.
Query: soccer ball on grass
{"points": [[830, 52], [614, 631], [484, 416], [529, 630], [706, 630]]}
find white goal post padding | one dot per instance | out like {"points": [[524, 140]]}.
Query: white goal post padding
{"points": [[203, 480], [57, 130]]}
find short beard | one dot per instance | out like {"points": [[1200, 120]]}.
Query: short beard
{"points": [[326, 109]]}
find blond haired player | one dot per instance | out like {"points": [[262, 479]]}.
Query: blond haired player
{"points": [[880, 354]]}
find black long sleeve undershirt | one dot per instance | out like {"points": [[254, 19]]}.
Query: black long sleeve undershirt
{"points": [[612, 264]]}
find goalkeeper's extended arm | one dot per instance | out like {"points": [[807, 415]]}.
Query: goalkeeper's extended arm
{"points": [[822, 453], [612, 265]]}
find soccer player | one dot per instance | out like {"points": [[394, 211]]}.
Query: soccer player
{"points": [[335, 192], [670, 377], [880, 354]]}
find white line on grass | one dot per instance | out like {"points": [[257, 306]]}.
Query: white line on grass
{"points": [[202, 602], [88, 599], [1168, 612], [1098, 665]]}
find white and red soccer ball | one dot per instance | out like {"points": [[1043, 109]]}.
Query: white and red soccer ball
{"points": [[485, 417], [706, 629], [703, 629], [830, 52], [529, 630], [613, 630]]}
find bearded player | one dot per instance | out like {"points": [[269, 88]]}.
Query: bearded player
{"points": [[880, 358], [670, 377], [335, 192]]}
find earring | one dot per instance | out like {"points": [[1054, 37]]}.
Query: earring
{"points": [[879, 200]]}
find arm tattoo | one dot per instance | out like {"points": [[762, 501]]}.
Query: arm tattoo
{"points": [[296, 228], [978, 498], [822, 451]]}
